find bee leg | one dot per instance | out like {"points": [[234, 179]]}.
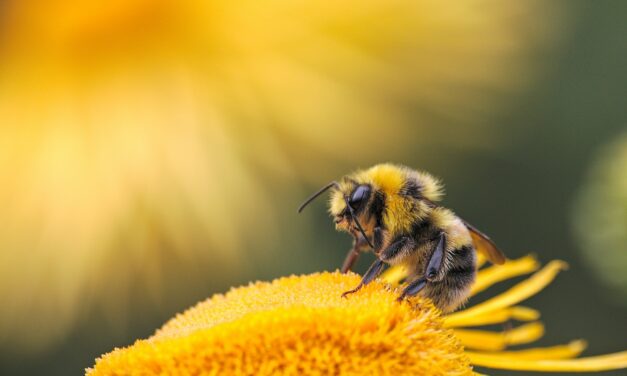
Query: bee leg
{"points": [[372, 273], [349, 261], [431, 272], [413, 288], [452, 285], [377, 239], [435, 262], [397, 247], [359, 243]]}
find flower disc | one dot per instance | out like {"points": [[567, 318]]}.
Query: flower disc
{"points": [[297, 325]]}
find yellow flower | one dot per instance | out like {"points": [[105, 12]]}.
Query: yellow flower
{"points": [[300, 325]]}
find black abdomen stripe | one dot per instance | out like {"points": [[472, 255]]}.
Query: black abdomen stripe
{"points": [[462, 268]]}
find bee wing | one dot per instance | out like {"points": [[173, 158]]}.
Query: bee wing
{"points": [[485, 245]]}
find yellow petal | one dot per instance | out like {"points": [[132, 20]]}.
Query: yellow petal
{"points": [[521, 291], [497, 273], [395, 274], [480, 260], [571, 350], [484, 340], [519, 313], [589, 364]]}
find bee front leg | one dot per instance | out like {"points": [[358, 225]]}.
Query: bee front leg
{"points": [[392, 251], [372, 273], [359, 243], [349, 261]]}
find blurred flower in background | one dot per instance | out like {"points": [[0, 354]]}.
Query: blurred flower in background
{"points": [[133, 129], [600, 217]]}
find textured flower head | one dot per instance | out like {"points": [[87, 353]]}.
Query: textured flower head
{"points": [[301, 325], [298, 325]]}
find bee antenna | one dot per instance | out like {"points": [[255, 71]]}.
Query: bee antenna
{"points": [[313, 197], [350, 210]]}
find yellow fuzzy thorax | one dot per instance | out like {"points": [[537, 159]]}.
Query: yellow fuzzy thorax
{"points": [[386, 177], [390, 180]]}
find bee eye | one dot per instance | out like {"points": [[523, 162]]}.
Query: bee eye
{"points": [[359, 194]]}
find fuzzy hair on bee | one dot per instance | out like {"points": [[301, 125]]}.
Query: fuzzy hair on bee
{"points": [[393, 210]]}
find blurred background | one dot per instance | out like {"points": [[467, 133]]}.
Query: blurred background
{"points": [[153, 153]]}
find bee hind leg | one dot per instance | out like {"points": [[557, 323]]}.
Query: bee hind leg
{"points": [[435, 262], [452, 290], [431, 271]]}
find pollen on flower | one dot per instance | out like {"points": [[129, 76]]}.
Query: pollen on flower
{"points": [[298, 324]]}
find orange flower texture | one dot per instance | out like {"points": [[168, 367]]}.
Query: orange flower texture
{"points": [[301, 325]]}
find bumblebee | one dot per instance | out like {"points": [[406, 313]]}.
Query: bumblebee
{"points": [[393, 211]]}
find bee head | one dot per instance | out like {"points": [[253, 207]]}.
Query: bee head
{"points": [[348, 201], [348, 205]]}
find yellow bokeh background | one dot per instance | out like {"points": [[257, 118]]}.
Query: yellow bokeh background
{"points": [[146, 125], [153, 152]]}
